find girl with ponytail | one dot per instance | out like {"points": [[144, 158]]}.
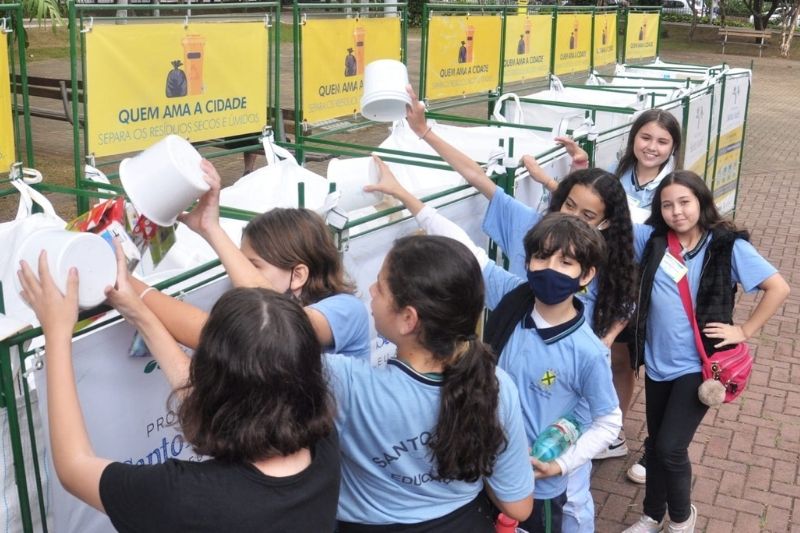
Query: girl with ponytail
{"points": [[422, 437]]}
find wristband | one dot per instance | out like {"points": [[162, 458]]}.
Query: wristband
{"points": [[144, 292], [426, 133]]}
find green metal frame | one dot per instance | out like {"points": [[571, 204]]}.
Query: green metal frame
{"points": [[78, 15], [300, 11]]}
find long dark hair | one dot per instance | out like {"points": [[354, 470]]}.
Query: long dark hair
{"points": [[710, 218], [287, 237], [666, 120], [256, 386], [440, 278], [617, 282]]}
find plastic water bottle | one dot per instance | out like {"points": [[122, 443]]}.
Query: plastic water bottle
{"points": [[556, 438], [505, 524]]}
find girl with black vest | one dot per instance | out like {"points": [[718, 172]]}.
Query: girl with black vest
{"points": [[715, 257]]}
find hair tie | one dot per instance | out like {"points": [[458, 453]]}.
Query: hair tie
{"points": [[471, 338]]}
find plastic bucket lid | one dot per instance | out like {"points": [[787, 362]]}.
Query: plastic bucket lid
{"points": [[89, 253], [385, 96], [164, 179]]}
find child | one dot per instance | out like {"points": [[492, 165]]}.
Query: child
{"points": [[423, 436], [716, 258], [557, 362], [598, 198], [257, 404], [287, 250]]}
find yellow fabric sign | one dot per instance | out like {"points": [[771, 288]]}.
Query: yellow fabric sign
{"points": [[641, 36], [7, 154], [146, 81], [335, 53], [573, 43], [605, 39], [463, 55], [528, 44]]}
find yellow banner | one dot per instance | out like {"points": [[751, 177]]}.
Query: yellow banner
{"points": [[463, 55], [573, 43], [7, 154], [605, 39], [641, 36], [146, 81], [528, 45], [335, 53], [726, 178]]}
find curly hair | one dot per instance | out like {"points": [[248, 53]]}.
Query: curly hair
{"points": [[709, 215], [256, 385], [666, 120], [617, 282], [440, 278], [287, 237]]}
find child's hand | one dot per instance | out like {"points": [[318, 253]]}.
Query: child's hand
{"points": [[580, 159], [57, 312], [415, 113], [728, 333], [387, 182], [542, 470], [124, 297], [205, 216], [537, 173]]}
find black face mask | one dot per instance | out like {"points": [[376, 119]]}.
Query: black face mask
{"points": [[552, 287]]}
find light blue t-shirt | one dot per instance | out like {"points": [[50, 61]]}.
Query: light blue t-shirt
{"points": [[670, 350], [506, 222], [555, 375], [349, 322], [385, 417]]}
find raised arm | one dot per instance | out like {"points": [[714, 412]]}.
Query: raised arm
{"points": [[77, 466], [580, 160], [461, 163], [173, 361]]}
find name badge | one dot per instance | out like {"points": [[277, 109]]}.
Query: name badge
{"points": [[673, 268]]}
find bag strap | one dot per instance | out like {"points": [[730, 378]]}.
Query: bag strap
{"points": [[31, 194], [674, 246]]}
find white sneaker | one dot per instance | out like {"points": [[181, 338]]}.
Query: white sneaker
{"points": [[645, 525], [684, 527], [618, 448], [638, 471]]}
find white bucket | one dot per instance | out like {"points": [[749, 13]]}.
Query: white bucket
{"points": [[385, 96], [89, 253], [350, 177], [164, 179]]}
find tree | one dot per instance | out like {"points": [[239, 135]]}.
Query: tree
{"points": [[756, 7], [788, 26], [42, 10]]}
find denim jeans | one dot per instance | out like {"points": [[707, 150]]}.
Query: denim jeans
{"points": [[673, 415]]}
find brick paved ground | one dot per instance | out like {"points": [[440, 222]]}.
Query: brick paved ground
{"points": [[745, 454]]}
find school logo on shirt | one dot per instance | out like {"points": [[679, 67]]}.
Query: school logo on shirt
{"points": [[548, 379]]}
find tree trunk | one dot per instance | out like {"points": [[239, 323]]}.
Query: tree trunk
{"points": [[694, 21], [788, 26]]}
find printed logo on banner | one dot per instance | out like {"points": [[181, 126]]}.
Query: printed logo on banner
{"points": [[527, 57], [335, 53], [170, 79], [641, 36], [696, 143], [463, 55], [605, 39], [7, 153], [573, 43]]}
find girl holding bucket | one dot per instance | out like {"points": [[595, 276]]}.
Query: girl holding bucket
{"points": [[596, 197], [714, 257], [287, 250], [255, 402]]}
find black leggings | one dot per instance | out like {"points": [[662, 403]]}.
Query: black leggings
{"points": [[673, 415], [546, 513]]}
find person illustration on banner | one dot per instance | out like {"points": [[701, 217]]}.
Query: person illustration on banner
{"points": [[176, 80], [521, 45], [572, 40], [462, 53], [350, 64]]}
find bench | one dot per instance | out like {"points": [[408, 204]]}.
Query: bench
{"points": [[762, 36], [53, 89]]}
